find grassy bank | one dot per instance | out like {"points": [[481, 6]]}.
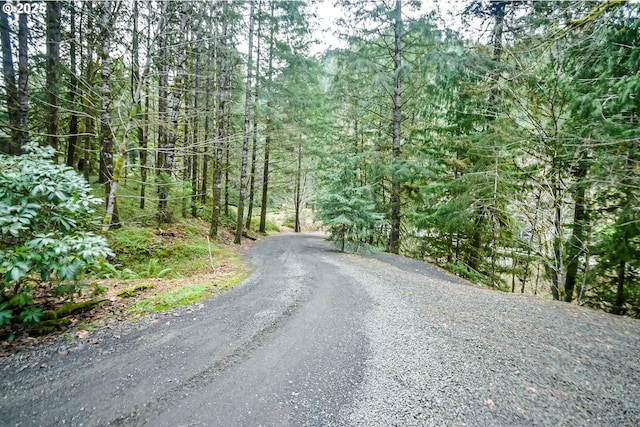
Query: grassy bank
{"points": [[156, 268]]}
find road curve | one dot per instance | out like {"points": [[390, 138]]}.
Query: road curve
{"points": [[316, 337]]}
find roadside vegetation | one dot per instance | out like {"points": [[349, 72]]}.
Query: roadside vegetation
{"points": [[62, 275]]}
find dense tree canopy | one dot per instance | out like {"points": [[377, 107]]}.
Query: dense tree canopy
{"points": [[507, 154]]}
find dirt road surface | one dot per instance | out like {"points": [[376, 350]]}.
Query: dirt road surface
{"points": [[316, 338]]}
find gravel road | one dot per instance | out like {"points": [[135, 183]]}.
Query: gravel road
{"points": [[316, 337]]}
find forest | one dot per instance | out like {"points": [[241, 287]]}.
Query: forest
{"points": [[504, 150]]}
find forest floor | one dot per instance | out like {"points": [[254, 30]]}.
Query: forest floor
{"points": [[132, 303], [129, 302]]}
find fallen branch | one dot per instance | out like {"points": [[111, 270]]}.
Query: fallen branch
{"points": [[52, 320], [69, 308], [248, 236]]}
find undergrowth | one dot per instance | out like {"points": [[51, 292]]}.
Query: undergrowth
{"points": [[155, 267], [183, 295]]}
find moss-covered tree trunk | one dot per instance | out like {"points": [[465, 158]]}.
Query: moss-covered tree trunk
{"points": [[23, 80], [106, 133], [53, 70], [164, 211], [72, 141]]}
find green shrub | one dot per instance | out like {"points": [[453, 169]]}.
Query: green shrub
{"points": [[350, 215], [462, 270], [269, 225], [46, 211], [134, 245], [154, 269]]}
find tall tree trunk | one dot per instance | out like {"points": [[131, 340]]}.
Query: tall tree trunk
{"points": [[626, 231], [494, 224], [144, 146], [53, 71], [265, 179], [476, 253], [207, 118], [252, 173], [498, 11], [194, 140], [228, 134], [88, 109], [73, 89], [163, 84], [298, 187], [254, 148], [220, 139], [394, 238], [9, 77], [227, 155], [135, 73], [247, 121], [164, 213], [534, 228], [23, 80], [106, 132], [587, 260], [186, 159], [269, 130], [143, 129], [557, 273], [576, 246], [162, 169]]}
